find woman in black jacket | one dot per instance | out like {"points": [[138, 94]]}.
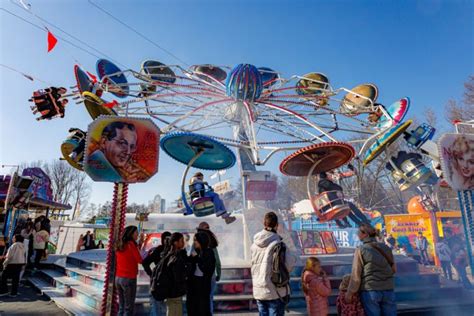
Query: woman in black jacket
{"points": [[177, 267], [199, 283]]}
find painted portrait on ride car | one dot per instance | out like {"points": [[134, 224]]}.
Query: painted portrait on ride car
{"points": [[122, 149], [457, 156], [311, 243]]}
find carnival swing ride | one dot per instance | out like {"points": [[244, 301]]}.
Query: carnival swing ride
{"points": [[255, 110], [205, 109]]}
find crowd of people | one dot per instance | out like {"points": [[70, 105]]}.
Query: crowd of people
{"points": [[449, 251], [88, 242], [26, 249], [175, 273], [368, 290]]}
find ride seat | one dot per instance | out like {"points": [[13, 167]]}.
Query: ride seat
{"points": [[77, 135], [330, 205], [203, 206], [412, 172], [197, 190]]}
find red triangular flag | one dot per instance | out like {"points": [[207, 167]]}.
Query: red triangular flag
{"points": [[52, 41]]}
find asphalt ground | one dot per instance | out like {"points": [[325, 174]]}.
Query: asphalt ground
{"points": [[29, 302]]}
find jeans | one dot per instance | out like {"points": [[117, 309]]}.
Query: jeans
{"points": [[446, 266], [213, 289], [12, 271], [127, 290], [271, 308], [379, 303], [424, 256], [218, 204], [38, 255], [174, 306], [157, 308], [357, 216]]}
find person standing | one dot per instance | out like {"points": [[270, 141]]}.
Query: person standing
{"points": [[444, 256], [14, 261], [80, 243], [213, 244], [177, 268], [93, 245], [127, 260], [373, 270], [390, 241], [88, 240], [271, 299], [27, 234], [316, 288], [354, 308], [459, 259], [422, 244], [203, 266], [158, 307], [41, 237]]}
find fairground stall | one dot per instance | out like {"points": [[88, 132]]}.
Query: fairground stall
{"points": [[29, 195]]}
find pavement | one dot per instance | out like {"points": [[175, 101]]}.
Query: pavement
{"points": [[29, 302]]}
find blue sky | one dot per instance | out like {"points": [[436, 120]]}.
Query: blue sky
{"points": [[421, 49]]}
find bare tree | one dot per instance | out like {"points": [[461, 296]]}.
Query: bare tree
{"points": [[81, 192], [469, 92], [430, 117], [462, 110]]}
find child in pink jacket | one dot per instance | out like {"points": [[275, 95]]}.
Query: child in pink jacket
{"points": [[316, 288]]}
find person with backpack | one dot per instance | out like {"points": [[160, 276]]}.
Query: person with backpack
{"points": [[373, 270], [127, 258], [169, 277], [158, 307], [213, 244], [316, 288], [203, 266], [272, 263]]}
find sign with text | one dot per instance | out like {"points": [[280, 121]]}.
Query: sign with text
{"points": [[261, 190], [222, 187], [405, 229]]}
